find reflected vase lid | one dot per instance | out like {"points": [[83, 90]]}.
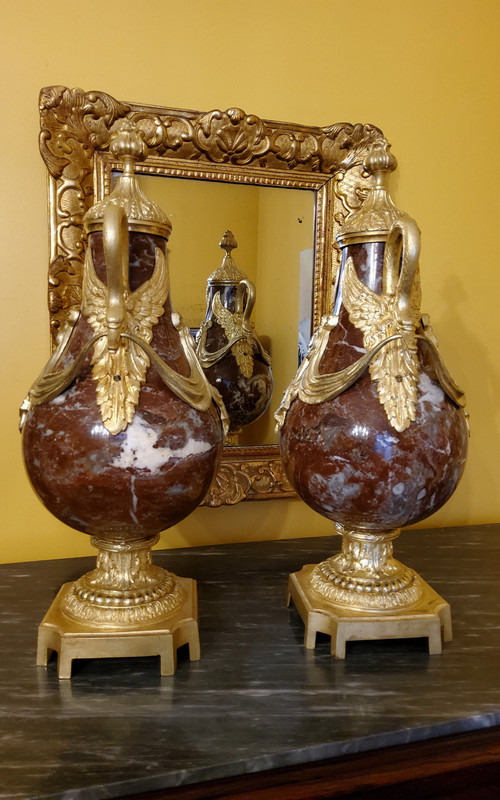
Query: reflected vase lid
{"points": [[228, 274]]}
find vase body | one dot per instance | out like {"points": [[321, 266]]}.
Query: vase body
{"points": [[343, 456], [145, 478]]}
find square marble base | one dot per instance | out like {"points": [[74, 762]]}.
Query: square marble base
{"points": [[71, 639], [428, 618]]}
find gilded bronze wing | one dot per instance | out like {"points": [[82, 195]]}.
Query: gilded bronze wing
{"points": [[242, 349], [395, 368], [119, 374]]}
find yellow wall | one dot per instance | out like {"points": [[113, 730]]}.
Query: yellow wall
{"points": [[200, 212], [425, 71], [281, 239]]}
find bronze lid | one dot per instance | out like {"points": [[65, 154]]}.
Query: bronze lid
{"points": [[228, 273], [143, 214], [373, 221]]}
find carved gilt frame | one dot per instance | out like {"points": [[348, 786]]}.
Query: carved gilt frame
{"points": [[75, 129]]}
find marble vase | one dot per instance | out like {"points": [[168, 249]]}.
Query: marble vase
{"points": [[122, 434], [373, 432]]}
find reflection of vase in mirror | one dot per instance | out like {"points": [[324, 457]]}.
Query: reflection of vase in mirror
{"points": [[121, 436], [275, 226], [373, 435], [228, 348]]}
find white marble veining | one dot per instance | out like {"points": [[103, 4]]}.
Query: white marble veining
{"points": [[429, 392], [139, 448]]}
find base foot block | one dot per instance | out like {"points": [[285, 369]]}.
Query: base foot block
{"points": [[429, 617], [72, 640]]}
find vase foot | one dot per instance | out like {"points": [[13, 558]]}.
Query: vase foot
{"points": [[429, 617], [72, 640]]}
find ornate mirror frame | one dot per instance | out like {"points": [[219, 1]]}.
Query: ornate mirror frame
{"points": [[231, 146]]}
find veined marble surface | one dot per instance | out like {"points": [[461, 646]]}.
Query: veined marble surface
{"points": [[257, 699]]}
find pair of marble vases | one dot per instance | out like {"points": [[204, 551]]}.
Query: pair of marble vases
{"points": [[122, 432], [122, 436], [373, 433]]}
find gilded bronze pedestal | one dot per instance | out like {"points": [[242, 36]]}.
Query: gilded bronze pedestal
{"points": [[364, 593], [72, 640], [125, 607]]}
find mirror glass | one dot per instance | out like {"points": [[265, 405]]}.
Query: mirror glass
{"points": [[274, 228]]}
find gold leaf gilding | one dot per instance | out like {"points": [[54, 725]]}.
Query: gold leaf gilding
{"points": [[234, 328], [120, 374], [395, 367]]}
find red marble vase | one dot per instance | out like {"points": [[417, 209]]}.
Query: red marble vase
{"points": [[122, 435], [373, 431]]}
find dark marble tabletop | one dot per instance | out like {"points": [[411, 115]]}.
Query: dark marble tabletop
{"points": [[257, 699]]}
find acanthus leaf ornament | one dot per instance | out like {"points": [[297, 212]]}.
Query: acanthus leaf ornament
{"points": [[296, 149], [74, 123], [243, 476], [232, 136], [243, 353], [165, 133]]}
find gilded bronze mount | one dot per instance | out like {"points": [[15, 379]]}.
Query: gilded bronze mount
{"points": [[363, 593], [126, 606]]}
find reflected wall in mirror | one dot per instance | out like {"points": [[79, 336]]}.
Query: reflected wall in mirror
{"points": [[273, 227], [283, 189]]}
